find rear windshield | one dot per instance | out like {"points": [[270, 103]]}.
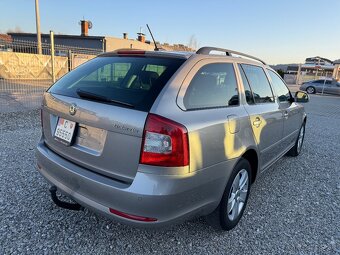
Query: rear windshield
{"points": [[127, 81]]}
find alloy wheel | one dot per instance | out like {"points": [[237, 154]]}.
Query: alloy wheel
{"points": [[238, 194], [310, 90]]}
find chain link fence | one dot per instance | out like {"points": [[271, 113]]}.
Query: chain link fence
{"points": [[303, 77], [303, 74], [26, 75]]}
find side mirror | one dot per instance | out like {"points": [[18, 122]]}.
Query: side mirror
{"points": [[301, 97]]}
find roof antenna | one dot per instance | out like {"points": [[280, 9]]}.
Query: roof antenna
{"points": [[156, 47]]}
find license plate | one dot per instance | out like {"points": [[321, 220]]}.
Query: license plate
{"points": [[64, 131]]}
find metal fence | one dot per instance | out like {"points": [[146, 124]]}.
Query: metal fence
{"points": [[25, 75], [299, 79], [32, 47]]}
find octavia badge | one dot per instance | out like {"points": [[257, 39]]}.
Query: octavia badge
{"points": [[73, 109]]}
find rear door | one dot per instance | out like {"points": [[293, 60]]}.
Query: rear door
{"points": [[292, 116], [209, 98], [107, 101], [336, 88], [318, 84], [264, 112]]}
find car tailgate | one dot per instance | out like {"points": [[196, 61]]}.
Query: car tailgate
{"points": [[107, 138]]}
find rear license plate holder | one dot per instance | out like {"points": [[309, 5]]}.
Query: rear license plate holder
{"points": [[64, 131]]}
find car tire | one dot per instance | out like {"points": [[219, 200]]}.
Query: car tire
{"points": [[234, 200], [296, 149], [310, 90]]}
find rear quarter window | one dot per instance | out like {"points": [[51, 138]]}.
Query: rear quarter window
{"points": [[214, 85], [134, 81]]}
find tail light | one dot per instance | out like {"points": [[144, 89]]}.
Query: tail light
{"points": [[165, 143]]}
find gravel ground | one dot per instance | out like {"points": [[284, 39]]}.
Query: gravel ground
{"points": [[293, 208]]}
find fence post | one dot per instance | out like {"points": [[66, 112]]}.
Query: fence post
{"points": [[69, 54], [323, 87], [52, 54], [298, 75]]}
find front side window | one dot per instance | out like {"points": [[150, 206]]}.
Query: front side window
{"points": [[259, 83], [214, 85], [279, 87]]}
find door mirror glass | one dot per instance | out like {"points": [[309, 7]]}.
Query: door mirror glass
{"points": [[301, 97]]}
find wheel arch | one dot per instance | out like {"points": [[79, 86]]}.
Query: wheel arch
{"points": [[251, 156]]}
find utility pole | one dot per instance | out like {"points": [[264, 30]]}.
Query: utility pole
{"points": [[52, 55], [317, 69], [37, 19]]}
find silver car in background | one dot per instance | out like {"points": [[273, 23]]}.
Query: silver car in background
{"points": [[154, 138], [329, 86]]}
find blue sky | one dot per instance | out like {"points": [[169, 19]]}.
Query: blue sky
{"points": [[285, 31]]}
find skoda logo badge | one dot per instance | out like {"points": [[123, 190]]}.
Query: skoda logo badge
{"points": [[73, 109]]}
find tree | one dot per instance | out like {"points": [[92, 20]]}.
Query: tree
{"points": [[193, 42], [281, 73]]}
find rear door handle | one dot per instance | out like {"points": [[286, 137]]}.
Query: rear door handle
{"points": [[257, 122]]}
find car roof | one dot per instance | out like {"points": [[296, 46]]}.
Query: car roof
{"points": [[205, 53], [322, 79], [135, 52]]}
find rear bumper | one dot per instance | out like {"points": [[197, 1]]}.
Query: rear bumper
{"points": [[168, 198]]}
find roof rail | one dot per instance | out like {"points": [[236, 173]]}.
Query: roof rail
{"points": [[207, 50]]}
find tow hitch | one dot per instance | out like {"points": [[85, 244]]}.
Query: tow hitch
{"points": [[62, 204]]}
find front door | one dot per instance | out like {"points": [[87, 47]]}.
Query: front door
{"points": [[264, 113], [290, 110]]}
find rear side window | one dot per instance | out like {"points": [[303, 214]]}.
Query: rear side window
{"points": [[279, 87], [247, 89], [127, 81], [214, 85], [323, 81], [259, 83]]}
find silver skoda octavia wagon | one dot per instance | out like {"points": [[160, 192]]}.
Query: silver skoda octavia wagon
{"points": [[154, 138]]}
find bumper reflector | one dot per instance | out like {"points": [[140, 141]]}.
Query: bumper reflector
{"points": [[132, 217]]}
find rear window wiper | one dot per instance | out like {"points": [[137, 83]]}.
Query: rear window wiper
{"points": [[96, 97]]}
